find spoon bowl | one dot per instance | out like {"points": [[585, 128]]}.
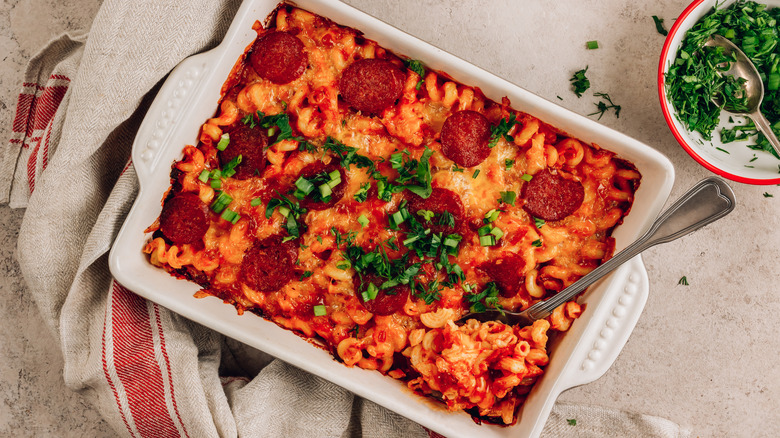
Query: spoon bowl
{"points": [[752, 87]]}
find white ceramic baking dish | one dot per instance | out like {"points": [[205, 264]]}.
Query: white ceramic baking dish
{"points": [[190, 96]]}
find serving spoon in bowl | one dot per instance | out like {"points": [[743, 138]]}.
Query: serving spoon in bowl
{"points": [[753, 87], [709, 200]]}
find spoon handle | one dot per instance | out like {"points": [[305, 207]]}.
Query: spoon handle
{"points": [[763, 125], [704, 203]]}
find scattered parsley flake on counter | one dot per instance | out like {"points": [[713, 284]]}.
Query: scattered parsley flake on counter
{"points": [[580, 82], [592, 45], [723, 150], [572, 421], [559, 97], [683, 281], [659, 25], [602, 106], [768, 195]]}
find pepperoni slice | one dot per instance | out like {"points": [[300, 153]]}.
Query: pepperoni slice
{"points": [[387, 301], [441, 200], [184, 219], [269, 264], [278, 57], [248, 142], [371, 85], [507, 272], [552, 197], [464, 138], [318, 174]]}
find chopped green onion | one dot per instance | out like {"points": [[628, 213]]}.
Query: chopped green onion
{"points": [[215, 174], [538, 222], [398, 218], [491, 216], [335, 175], [222, 201], [488, 240], [362, 220], [592, 45], [497, 232], [256, 202], [304, 187], [325, 190], [508, 163], [224, 140], [526, 177], [372, 291], [537, 243], [204, 176], [284, 211], [482, 231], [230, 215], [508, 197], [412, 240], [320, 310], [215, 183], [476, 172]]}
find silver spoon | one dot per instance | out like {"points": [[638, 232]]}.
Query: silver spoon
{"points": [[706, 202], [753, 87]]}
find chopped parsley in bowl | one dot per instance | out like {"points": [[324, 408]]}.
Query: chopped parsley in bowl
{"points": [[688, 79]]}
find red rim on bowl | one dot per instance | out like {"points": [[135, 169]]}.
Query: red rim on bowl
{"points": [[670, 117]]}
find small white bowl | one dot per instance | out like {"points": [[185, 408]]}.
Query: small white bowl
{"points": [[740, 164]]}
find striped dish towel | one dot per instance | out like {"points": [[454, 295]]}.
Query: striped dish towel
{"points": [[150, 372]]}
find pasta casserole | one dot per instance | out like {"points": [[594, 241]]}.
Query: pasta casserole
{"points": [[367, 202]]}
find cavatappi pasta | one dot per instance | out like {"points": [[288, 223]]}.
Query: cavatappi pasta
{"points": [[359, 198]]}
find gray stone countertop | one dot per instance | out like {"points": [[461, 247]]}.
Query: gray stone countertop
{"points": [[702, 355]]}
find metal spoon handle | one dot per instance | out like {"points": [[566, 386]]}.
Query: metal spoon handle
{"points": [[706, 202], [765, 127]]}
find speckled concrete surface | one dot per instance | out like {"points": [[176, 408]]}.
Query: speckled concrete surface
{"points": [[702, 355]]}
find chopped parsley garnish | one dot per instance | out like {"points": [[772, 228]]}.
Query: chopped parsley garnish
{"points": [[768, 195], [272, 123], [592, 45], [413, 175], [502, 130], [487, 299], [362, 194], [537, 243], [290, 210], [694, 78], [348, 155], [474, 176], [508, 163], [447, 219], [455, 168], [572, 421], [659, 25], [306, 274], [427, 215], [580, 82], [604, 105], [683, 281], [539, 222], [417, 67]]}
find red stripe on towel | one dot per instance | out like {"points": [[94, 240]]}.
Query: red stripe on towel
{"points": [[137, 367]]}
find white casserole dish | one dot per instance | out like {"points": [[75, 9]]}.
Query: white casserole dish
{"points": [[190, 96]]}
